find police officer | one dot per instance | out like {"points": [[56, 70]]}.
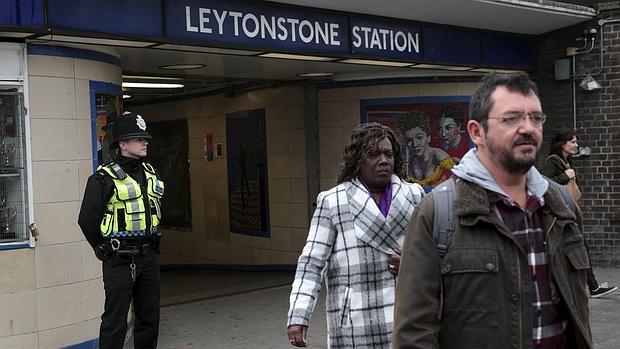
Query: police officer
{"points": [[119, 217]]}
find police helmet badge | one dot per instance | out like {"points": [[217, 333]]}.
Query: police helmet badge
{"points": [[140, 122]]}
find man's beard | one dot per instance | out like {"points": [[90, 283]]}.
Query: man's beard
{"points": [[509, 162]]}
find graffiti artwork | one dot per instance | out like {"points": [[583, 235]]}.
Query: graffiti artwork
{"points": [[432, 131]]}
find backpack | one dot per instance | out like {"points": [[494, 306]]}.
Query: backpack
{"points": [[444, 215]]}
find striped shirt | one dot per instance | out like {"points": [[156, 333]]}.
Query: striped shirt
{"points": [[549, 313]]}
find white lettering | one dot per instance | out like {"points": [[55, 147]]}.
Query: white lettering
{"points": [[415, 42], [366, 30], [357, 39], [235, 16], [333, 30], [384, 33], [293, 22], [188, 21], [220, 20], [321, 33], [374, 41], [282, 36], [203, 19], [400, 47], [306, 38], [247, 32], [264, 26]]}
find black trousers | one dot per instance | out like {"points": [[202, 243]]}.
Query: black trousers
{"points": [[120, 289]]}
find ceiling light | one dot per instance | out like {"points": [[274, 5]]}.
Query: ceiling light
{"points": [[442, 67], [151, 85], [144, 77], [491, 70], [96, 41], [373, 62], [223, 51], [126, 96], [299, 57], [182, 66], [315, 75]]}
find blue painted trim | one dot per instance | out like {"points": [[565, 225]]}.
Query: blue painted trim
{"points": [[62, 51], [13, 246], [90, 344], [98, 87], [230, 267]]}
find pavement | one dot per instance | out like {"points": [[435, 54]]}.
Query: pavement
{"points": [[216, 309]]}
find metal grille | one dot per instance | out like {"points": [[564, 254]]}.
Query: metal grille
{"points": [[13, 205]]}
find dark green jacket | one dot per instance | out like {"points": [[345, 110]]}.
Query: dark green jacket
{"points": [[488, 291]]}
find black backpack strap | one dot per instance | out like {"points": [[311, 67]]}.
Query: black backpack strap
{"points": [[444, 215]]}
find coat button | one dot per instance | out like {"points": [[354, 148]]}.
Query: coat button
{"points": [[447, 268], [514, 297], [490, 266]]}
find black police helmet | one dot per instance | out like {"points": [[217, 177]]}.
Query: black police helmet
{"points": [[128, 125]]}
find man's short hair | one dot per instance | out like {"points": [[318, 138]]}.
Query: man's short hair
{"points": [[481, 101]]}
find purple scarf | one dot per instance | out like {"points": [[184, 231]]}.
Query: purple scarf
{"points": [[386, 197]]}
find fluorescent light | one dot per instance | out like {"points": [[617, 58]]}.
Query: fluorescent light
{"points": [[442, 67], [15, 34], [182, 66], [222, 51], [140, 77], [315, 75], [126, 96], [150, 85], [299, 57], [373, 62], [491, 70], [97, 41]]}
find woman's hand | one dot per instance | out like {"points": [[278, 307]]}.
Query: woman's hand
{"points": [[570, 173], [394, 262], [298, 335]]}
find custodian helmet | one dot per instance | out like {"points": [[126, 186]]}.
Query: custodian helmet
{"points": [[128, 125]]}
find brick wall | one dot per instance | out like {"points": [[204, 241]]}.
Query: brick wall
{"points": [[598, 125]]}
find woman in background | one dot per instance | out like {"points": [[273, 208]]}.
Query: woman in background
{"points": [[558, 168]]}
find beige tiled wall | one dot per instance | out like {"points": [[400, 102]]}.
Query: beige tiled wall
{"points": [[52, 296], [210, 240]]}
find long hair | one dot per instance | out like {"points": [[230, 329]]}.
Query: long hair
{"points": [[560, 138], [365, 138]]}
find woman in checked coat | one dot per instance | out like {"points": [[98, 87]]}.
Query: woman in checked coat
{"points": [[354, 244]]}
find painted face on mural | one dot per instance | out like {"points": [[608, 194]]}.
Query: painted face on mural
{"points": [[417, 141], [377, 166], [449, 131]]}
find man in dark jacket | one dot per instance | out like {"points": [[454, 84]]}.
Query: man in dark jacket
{"points": [[119, 218], [513, 275]]}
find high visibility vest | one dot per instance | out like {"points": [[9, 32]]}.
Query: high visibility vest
{"points": [[128, 205]]}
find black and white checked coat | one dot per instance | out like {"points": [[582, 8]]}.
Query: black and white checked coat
{"points": [[349, 244]]}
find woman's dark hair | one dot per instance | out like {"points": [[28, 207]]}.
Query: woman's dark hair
{"points": [[364, 139], [560, 138]]}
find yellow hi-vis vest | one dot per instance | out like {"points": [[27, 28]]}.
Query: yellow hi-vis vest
{"points": [[127, 202]]}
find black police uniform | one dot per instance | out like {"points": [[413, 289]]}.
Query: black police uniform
{"points": [[121, 285]]}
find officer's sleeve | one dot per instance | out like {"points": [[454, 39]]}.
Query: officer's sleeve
{"points": [[91, 212]]}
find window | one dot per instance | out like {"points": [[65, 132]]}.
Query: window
{"points": [[13, 198]]}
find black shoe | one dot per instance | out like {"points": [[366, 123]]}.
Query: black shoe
{"points": [[602, 291]]}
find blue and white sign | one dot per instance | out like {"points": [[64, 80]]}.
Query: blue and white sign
{"points": [[381, 38], [256, 27]]}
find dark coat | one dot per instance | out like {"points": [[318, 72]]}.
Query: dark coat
{"points": [[488, 291], [554, 168]]}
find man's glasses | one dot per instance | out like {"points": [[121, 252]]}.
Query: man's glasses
{"points": [[514, 119]]}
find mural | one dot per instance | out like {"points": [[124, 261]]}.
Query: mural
{"points": [[432, 131], [248, 202]]}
